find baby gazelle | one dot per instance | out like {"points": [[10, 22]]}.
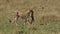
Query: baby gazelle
{"points": [[24, 15]]}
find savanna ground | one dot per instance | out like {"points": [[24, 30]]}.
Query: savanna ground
{"points": [[46, 14]]}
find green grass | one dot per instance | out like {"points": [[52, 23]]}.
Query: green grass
{"points": [[46, 14]]}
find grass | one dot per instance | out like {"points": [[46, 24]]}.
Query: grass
{"points": [[46, 14]]}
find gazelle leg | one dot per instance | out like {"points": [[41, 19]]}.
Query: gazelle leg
{"points": [[28, 21], [15, 20], [25, 21]]}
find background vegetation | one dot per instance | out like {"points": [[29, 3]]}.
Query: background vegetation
{"points": [[46, 14]]}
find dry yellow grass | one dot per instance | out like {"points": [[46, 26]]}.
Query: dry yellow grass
{"points": [[46, 12]]}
